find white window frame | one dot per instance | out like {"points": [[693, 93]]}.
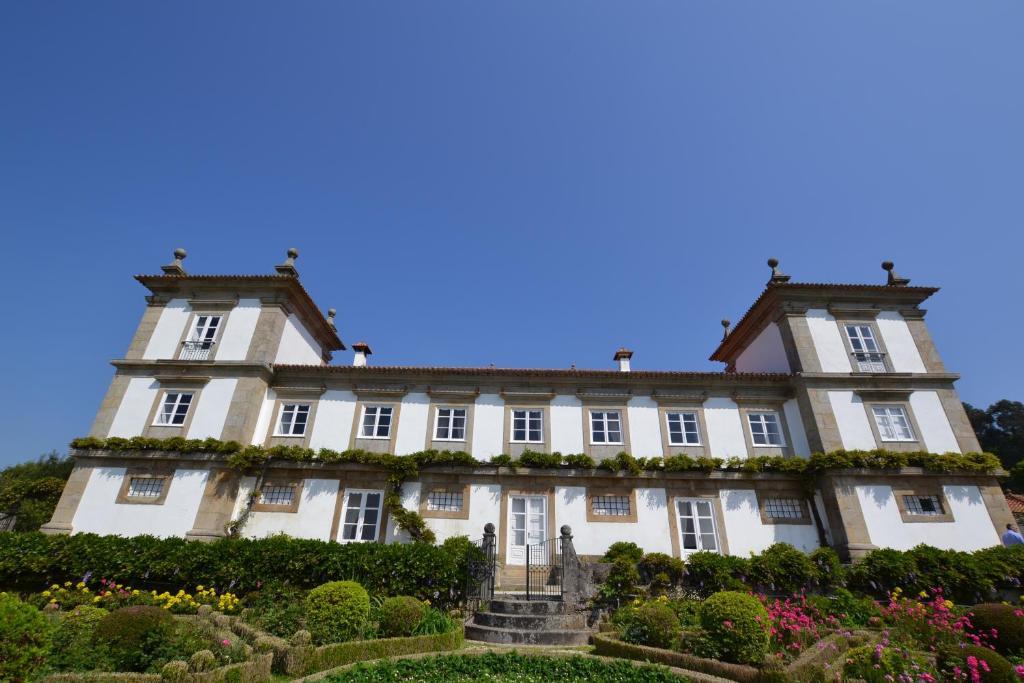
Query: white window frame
{"points": [[205, 329], [162, 410], [450, 418], [679, 414], [614, 504], [784, 508], [869, 356], [360, 521], [376, 425], [758, 416], [146, 483], [885, 423], [699, 535], [276, 488], [293, 423], [526, 425], [606, 421], [451, 495]]}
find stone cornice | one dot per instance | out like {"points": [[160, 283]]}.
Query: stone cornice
{"points": [[209, 369]]}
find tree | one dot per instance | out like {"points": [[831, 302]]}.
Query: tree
{"points": [[1000, 430], [30, 490]]}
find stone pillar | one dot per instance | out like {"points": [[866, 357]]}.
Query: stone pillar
{"points": [[216, 506], [64, 513], [845, 518], [244, 411]]}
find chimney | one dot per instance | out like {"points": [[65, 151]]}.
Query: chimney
{"points": [[623, 355], [362, 350]]}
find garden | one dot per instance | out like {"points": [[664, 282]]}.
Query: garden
{"points": [[89, 608]]}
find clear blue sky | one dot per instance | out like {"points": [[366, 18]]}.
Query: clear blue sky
{"points": [[518, 183]]}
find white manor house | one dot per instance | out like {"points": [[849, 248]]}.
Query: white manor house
{"points": [[808, 368]]}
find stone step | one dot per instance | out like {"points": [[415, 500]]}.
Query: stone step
{"points": [[514, 606], [532, 622], [491, 634]]}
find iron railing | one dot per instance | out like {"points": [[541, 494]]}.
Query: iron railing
{"points": [[869, 361], [196, 349], [545, 569], [481, 565]]}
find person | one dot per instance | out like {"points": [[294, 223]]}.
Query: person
{"points": [[1012, 536]]}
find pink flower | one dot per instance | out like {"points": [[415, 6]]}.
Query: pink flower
{"points": [[225, 642]]}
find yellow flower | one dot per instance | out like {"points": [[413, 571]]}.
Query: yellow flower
{"points": [[53, 601], [948, 604], [46, 594], [199, 588], [96, 599], [80, 584], [67, 584]]}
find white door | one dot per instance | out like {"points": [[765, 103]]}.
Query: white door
{"points": [[696, 525], [527, 524]]}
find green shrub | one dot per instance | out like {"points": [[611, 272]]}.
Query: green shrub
{"points": [[653, 564], [849, 609], [999, 669], [626, 549], [201, 661], [434, 622], [541, 460], [73, 646], [337, 611], [781, 568], [276, 608], [710, 572], [136, 638], [1003, 620], [652, 624], [738, 623], [621, 582], [399, 616], [579, 461], [884, 664], [829, 569], [883, 570], [175, 671], [24, 639]]}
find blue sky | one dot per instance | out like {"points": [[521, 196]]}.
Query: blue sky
{"points": [[525, 184]]}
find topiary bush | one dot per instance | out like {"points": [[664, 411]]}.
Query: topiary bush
{"points": [[201, 661], [73, 647], [136, 637], [25, 636], [621, 582], [1003, 620], [996, 668], [781, 568], [710, 572], [653, 564], [627, 549], [337, 611], [652, 624], [829, 569], [399, 616], [739, 626]]}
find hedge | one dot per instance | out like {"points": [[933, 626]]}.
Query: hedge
{"points": [[304, 660], [609, 645], [34, 561]]}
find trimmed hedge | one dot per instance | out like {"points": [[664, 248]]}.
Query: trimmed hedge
{"points": [[610, 645], [34, 561], [306, 659]]}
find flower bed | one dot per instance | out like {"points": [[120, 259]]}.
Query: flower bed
{"points": [[611, 645]]}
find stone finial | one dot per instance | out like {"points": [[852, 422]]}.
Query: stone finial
{"points": [[331, 312], [777, 275], [362, 350], [288, 267], [488, 528], [725, 329], [566, 530], [175, 267], [894, 280]]}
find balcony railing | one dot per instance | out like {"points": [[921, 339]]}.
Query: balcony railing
{"points": [[869, 361], [196, 349]]}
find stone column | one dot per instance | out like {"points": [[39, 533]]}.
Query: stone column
{"points": [[216, 506], [64, 513]]}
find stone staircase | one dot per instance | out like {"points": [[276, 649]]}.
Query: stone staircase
{"points": [[511, 620]]}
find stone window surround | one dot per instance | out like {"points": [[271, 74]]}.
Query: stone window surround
{"points": [[184, 384], [626, 491], [695, 405], [602, 403], [341, 505], [764, 405], [935, 490], [198, 307], [763, 495], [897, 398], [427, 487], [295, 484], [310, 396], [139, 472], [848, 316], [695, 491], [504, 527], [450, 399], [384, 398], [539, 400]]}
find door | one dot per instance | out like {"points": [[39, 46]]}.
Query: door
{"points": [[527, 524], [361, 517], [696, 525]]}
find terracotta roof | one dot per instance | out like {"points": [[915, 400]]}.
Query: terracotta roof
{"points": [[313, 314], [1016, 502], [776, 289], [534, 372]]}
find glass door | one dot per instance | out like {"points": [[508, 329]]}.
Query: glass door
{"points": [[527, 525], [696, 525]]}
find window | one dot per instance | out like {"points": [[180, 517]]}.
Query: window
{"points": [[145, 487], [451, 424], [362, 516], [605, 427], [174, 409], [445, 501], [865, 349], [277, 495], [783, 508], [682, 429], [376, 422], [614, 506], [204, 334], [293, 419], [765, 429], [893, 423], [528, 426], [696, 525], [923, 505]]}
